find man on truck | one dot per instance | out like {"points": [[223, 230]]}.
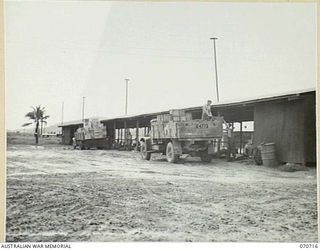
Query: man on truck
{"points": [[206, 111]]}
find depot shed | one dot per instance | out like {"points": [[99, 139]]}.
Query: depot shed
{"points": [[288, 120]]}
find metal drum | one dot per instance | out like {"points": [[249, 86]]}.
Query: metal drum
{"points": [[268, 154]]}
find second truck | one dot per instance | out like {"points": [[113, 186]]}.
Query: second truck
{"points": [[93, 134]]}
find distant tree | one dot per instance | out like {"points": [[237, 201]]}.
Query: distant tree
{"points": [[39, 118]]}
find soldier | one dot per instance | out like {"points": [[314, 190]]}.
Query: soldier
{"points": [[206, 111], [128, 140], [129, 137], [231, 144], [74, 143]]}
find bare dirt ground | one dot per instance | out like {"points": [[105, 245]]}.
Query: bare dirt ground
{"points": [[55, 193]]}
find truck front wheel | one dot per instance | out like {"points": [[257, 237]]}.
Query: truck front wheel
{"points": [[172, 156], [205, 157], [144, 153]]}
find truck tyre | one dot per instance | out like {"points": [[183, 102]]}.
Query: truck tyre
{"points": [[144, 153], [81, 146], [205, 157], [172, 156]]}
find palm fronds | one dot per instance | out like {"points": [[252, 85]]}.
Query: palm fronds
{"points": [[38, 116], [26, 124]]}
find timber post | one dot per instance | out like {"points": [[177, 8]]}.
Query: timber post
{"points": [[114, 133], [137, 135], [125, 134], [241, 137], [120, 135]]}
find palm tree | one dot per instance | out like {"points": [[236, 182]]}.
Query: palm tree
{"points": [[38, 116]]}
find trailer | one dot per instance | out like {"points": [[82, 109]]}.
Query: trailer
{"points": [[93, 134], [176, 134]]}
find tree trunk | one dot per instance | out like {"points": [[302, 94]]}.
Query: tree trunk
{"points": [[36, 133]]}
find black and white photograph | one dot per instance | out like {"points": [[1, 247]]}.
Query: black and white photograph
{"points": [[160, 121]]}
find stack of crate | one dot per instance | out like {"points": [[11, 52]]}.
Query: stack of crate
{"points": [[100, 132], [164, 118], [88, 133], [157, 129], [93, 129], [176, 115], [179, 115], [79, 135], [95, 123]]}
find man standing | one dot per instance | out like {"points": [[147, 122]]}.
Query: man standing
{"points": [[128, 140], [231, 144], [206, 111]]}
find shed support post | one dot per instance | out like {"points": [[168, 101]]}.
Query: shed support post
{"points": [[118, 139], [125, 135], [137, 135], [113, 139], [114, 132], [241, 137]]}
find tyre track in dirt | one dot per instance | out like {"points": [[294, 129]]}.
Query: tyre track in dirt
{"points": [[114, 196]]}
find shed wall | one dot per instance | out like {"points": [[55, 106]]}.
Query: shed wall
{"points": [[310, 128], [66, 135], [282, 123]]}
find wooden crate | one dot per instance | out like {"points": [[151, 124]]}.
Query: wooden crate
{"points": [[194, 129], [167, 117], [176, 118], [164, 118], [188, 116], [177, 112]]}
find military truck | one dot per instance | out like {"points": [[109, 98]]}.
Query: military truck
{"points": [[177, 134], [93, 134]]}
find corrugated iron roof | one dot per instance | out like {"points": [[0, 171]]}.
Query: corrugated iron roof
{"points": [[214, 105], [78, 122]]}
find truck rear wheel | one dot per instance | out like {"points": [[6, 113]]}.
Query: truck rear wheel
{"points": [[144, 153], [172, 156], [205, 157], [81, 146]]}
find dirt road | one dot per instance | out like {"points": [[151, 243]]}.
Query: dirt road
{"points": [[55, 193]]}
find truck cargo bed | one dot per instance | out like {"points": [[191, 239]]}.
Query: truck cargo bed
{"points": [[194, 129]]}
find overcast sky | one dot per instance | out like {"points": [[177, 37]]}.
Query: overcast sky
{"points": [[61, 51]]}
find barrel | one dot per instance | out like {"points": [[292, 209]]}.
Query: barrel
{"points": [[268, 154]]}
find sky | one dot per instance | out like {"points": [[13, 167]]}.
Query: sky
{"points": [[62, 51]]}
